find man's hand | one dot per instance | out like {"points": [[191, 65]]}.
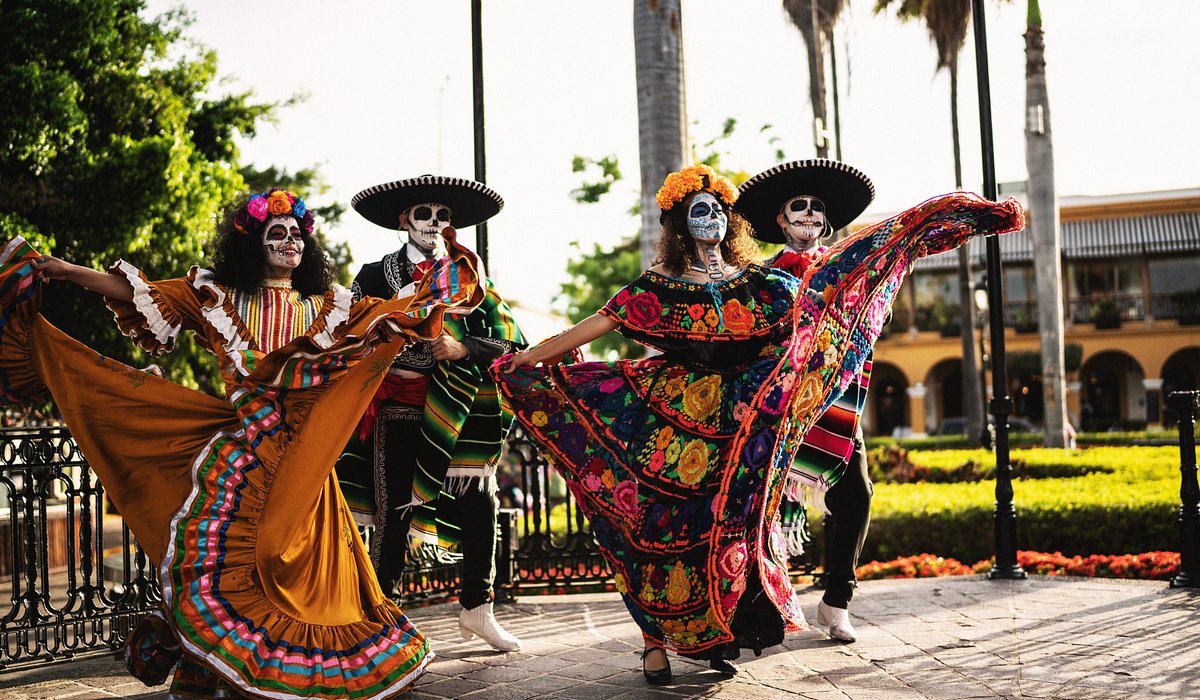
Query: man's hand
{"points": [[447, 348]]}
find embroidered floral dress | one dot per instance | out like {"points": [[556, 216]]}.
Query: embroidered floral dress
{"points": [[265, 581], [679, 460]]}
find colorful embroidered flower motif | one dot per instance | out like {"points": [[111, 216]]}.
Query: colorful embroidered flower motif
{"points": [[693, 463], [696, 312], [608, 479], [664, 437], [738, 318], [673, 451], [675, 386], [656, 461], [732, 560], [625, 496], [702, 397], [711, 318], [679, 588], [644, 310], [538, 418], [824, 340], [619, 582]]}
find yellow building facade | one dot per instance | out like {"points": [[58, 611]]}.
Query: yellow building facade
{"points": [[1131, 290]]}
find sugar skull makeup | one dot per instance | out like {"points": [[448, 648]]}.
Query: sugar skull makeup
{"points": [[803, 221], [707, 220], [283, 243], [424, 224]]}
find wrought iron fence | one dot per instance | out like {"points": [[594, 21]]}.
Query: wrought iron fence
{"points": [[73, 593]]}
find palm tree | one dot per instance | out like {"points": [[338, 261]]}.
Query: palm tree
{"points": [[1044, 225], [815, 20], [662, 109], [947, 22]]}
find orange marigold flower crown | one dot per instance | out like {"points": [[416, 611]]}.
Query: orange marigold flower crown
{"points": [[695, 178]]}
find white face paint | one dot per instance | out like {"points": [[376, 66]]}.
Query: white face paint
{"points": [[803, 221], [283, 243], [424, 223], [707, 219]]}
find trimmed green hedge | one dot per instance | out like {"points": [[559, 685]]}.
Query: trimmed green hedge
{"points": [[1129, 503]]}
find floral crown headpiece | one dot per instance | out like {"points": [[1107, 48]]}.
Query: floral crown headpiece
{"points": [[274, 202], [695, 178]]}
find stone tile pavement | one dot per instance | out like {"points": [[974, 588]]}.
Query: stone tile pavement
{"points": [[948, 638]]}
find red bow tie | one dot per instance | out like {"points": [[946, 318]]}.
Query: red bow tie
{"points": [[795, 263]]}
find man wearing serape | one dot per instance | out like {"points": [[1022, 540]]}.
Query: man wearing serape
{"points": [[423, 465], [797, 204]]}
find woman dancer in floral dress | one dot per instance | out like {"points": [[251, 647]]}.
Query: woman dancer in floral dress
{"points": [[679, 460], [267, 589]]}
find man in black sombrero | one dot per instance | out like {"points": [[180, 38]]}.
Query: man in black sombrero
{"points": [[797, 204], [427, 449]]}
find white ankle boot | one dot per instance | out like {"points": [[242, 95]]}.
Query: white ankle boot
{"points": [[481, 621], [838, 622]]}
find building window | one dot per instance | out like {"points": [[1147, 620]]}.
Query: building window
{"points": [[1020, 297], [1106, 290], [1174, 288], [936, 300]]}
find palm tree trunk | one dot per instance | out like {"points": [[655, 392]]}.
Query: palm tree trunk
{"points": [[972, 389], [1044, 225], [662, 110], [816, 83]]}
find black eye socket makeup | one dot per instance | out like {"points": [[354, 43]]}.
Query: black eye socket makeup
{"points": [[422, 213], [702, 209], [443, 214], [279, 233], [804, 204]]}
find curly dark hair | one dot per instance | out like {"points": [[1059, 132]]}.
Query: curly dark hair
{"points": [[677, 250], [238, 259]]}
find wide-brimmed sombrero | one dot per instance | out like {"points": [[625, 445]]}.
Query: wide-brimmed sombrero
{"points": [[845, 191], [471, 202]]}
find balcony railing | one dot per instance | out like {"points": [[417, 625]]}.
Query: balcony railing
{"points": [[1108, 310]]}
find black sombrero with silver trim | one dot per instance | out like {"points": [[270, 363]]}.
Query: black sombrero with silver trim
{"points": [[845, 191], [471, 202]]}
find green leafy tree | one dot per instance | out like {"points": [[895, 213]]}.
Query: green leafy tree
{"points": [[114, 144]]}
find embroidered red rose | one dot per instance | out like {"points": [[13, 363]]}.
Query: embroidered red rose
{"points": [[738, 318], [644, 310], [625, 496]]}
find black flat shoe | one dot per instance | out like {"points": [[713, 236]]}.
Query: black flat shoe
{"points": [[723, 666], [660, 677]]}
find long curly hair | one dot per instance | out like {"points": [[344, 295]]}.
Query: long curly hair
{"points": [[677, 249], [239, 261]]}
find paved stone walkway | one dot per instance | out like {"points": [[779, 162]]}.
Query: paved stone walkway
{"points": [[948, 638]]}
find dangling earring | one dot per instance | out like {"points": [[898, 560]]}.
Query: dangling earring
{"points": [[828, 230]]}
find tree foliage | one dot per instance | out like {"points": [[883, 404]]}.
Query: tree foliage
{"points": [[114, 144]]}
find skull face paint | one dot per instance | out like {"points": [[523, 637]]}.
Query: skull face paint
{"points": [[802, 219], [707, 219], [283, 244], [424, 223]]}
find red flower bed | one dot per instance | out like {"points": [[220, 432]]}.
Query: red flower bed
{"points": [[1148, 565]]}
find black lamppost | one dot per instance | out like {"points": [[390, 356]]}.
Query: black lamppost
{"points": [[1006, 566], [481, 238]]}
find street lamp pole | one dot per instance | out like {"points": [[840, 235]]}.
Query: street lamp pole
{"points": [[1006, 566], [481, 237]]}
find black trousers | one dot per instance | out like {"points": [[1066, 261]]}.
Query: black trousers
{"points": [[846, 524], [475, 511]]}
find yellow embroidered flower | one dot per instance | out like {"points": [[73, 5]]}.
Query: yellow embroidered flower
{"points": [[694, 178], [702, 397], [664, 437], [711, 318], [675, 386], [672, 453], [685, 639], [679, 588], [619, 582], [538, 418], [693, 463], [824, 340], [648, 593]]}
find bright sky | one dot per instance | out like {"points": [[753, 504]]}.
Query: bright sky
{"points": [[389, 97]]}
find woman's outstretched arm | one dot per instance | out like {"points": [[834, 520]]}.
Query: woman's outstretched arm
{"points": [[114, 286], [581, 333]]}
